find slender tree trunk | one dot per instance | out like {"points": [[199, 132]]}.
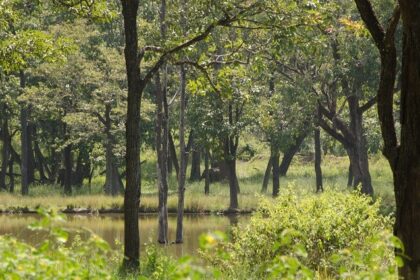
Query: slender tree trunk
{"points": [[68, 170], [5, 152], [133, 172], [31, 162], [174, 158], [290, 153], [276, 172], [40, 162], [318, 154], [183, 165], [11, 176], [162, 152], [267, 175], [24, 142], [206, 172]]}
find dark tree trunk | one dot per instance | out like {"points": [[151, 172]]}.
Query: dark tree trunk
{"points": [[406, 165], [350, 177], [267, 175], [113, 183], [183, 157], [206, 171], [40, 162], [290, 153], [318, 154], [31, 162], [133, 174], [174, 158], [360, 161], [5, 152], [11, 176], [162, 162], [195, 164], [68, 166], [276, 172], [24, 142]]}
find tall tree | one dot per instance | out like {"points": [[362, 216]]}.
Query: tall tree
{"points": [[403, 155]]}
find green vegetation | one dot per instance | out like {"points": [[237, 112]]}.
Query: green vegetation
{"points": [[289, 238]]}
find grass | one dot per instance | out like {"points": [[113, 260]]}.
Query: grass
{"points": [[250, 174]]}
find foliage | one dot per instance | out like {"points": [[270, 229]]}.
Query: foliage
{"points": [[332, 234], [54, 258]]}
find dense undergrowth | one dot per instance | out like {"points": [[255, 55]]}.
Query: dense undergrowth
{"points": [[313, 236]]}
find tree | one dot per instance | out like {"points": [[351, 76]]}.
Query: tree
{"points": [[403, 152]]}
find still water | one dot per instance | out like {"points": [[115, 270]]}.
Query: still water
{"points": [[111, 228]]}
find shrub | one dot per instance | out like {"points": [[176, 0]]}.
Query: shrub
{"points": [[331, 234]]}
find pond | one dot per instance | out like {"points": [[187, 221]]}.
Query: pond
{"points": [[111, 228]]}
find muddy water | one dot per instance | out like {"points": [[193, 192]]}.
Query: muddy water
{"points": [[111, 229]]}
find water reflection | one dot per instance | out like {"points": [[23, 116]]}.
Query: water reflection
{"points": [[111, 228]]}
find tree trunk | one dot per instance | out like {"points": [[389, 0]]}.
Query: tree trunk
{"points": [[24, 142], [5, 153], [67, 170], [174, 158], [31, 162], [318, 154], [350, 177], [206, 172], [11, 176], [276, 172], [162, 162], [267, 175], [195, 164], [360, 161], [183, 165], [113, 183], [406, 165], [133, 172], [40, 162], [290, 153]]}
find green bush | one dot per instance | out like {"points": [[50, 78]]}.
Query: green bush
{"points": [[329, 235], [54, 258]]}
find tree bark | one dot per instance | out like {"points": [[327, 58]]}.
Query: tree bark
{"points": [[183, 156], [290, 153], [267, 175], [406, 165], [162, 152], [360, 163], [113, 183], [68, 166], [133, 172], [318, 154], [5, 152], [11, 176], [195, 164], [24, 142], [172, 150], [206, 172], [276, 172]]}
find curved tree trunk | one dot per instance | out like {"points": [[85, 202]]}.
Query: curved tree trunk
{"points": [[290, 153], [267, 175]]}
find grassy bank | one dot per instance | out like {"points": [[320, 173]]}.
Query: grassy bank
{"points": [[300, 179]]}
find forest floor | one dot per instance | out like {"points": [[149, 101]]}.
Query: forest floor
{"points": [[300, 179]]}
